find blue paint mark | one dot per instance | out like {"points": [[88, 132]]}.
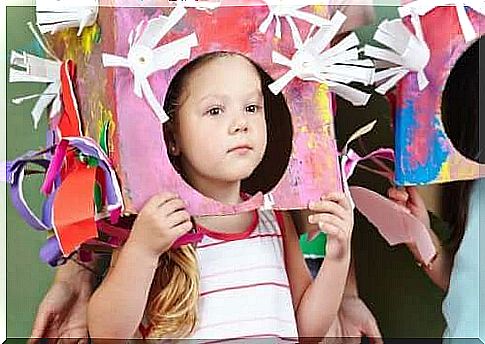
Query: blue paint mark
{"points": [[420, 174]]}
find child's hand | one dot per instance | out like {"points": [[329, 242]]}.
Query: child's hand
{"points": [[354, 320], [161, 221], [411, 202], [334, 216]]}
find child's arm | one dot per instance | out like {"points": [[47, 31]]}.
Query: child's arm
{"points": [[439, 271], [316, 304], [116, 308]]}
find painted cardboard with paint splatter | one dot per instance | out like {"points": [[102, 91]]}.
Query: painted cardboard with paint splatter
{"points": [[424, 153], [293, 171]]}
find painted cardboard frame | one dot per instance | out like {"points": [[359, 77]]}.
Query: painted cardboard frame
{"points": [[424, 153], [136, 142]]}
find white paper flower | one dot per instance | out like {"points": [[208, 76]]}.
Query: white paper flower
{"points": [[144, 58], [336, 66], [408, 54], [55, 15]]}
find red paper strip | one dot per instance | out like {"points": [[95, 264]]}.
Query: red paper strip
{"points": [[73, 209]]}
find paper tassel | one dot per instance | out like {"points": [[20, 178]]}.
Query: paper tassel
{"points": [[408, 53], [336, 66], [55, 15], [421, 7], [144, 59]]}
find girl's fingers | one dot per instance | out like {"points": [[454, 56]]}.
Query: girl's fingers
{"points": [[328, 207], [177, 218], [330, 229], [328, 218], [171, 206], [158, 200], [400, 199], [415, 197], [398, 195], [182, 228], [340, 198]]}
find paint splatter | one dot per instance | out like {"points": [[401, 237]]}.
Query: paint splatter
{"points": [[322, 99], [419, 148], [83, 45]]}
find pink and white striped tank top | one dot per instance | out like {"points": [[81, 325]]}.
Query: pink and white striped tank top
{"points": [[245, 291]]}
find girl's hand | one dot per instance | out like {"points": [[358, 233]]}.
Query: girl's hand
{"points": [[161, 221], [334, 216], [411, 202]]}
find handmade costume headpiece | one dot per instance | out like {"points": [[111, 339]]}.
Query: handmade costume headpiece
{"points": [[125, 63]]}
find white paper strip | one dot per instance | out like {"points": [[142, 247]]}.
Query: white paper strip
{"points": [[144, 58], [336, 66], [55, 15], [289, 10], [408, 53], [30, 68], [421, 7]]}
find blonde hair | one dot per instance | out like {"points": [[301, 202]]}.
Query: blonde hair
{"points": [[172, 303]]}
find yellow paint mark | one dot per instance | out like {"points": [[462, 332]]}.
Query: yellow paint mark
{"points": [[445, 171], [98, 117], [320, 10], [88, 38], [303, 129], [68, 38], [75, 46], [312, 142], [323, 103]]}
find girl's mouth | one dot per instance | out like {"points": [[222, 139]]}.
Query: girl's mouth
{"points": [[241, 149]]}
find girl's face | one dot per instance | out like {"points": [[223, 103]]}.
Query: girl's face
{"points": [[220, 128]]}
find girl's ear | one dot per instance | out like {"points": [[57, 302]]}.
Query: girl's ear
{"points": [[171, 141], [174, 150]]}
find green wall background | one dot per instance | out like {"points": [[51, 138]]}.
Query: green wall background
{"points": [[27, 278], [401, 297]]}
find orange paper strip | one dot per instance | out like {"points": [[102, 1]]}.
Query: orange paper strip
{"points": [[69, 124], [73, 209]]}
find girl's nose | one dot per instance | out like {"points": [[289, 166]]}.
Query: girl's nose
{"points": [[239, 125]]}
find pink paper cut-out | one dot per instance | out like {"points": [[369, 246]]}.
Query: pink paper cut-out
{"points": [[395, 225]]}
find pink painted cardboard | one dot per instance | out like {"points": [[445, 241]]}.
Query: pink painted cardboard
{"points": [[136, 142], [424, 154]]}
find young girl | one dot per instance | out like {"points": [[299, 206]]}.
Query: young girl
{"points": [[456, 267], [247, 277]]}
